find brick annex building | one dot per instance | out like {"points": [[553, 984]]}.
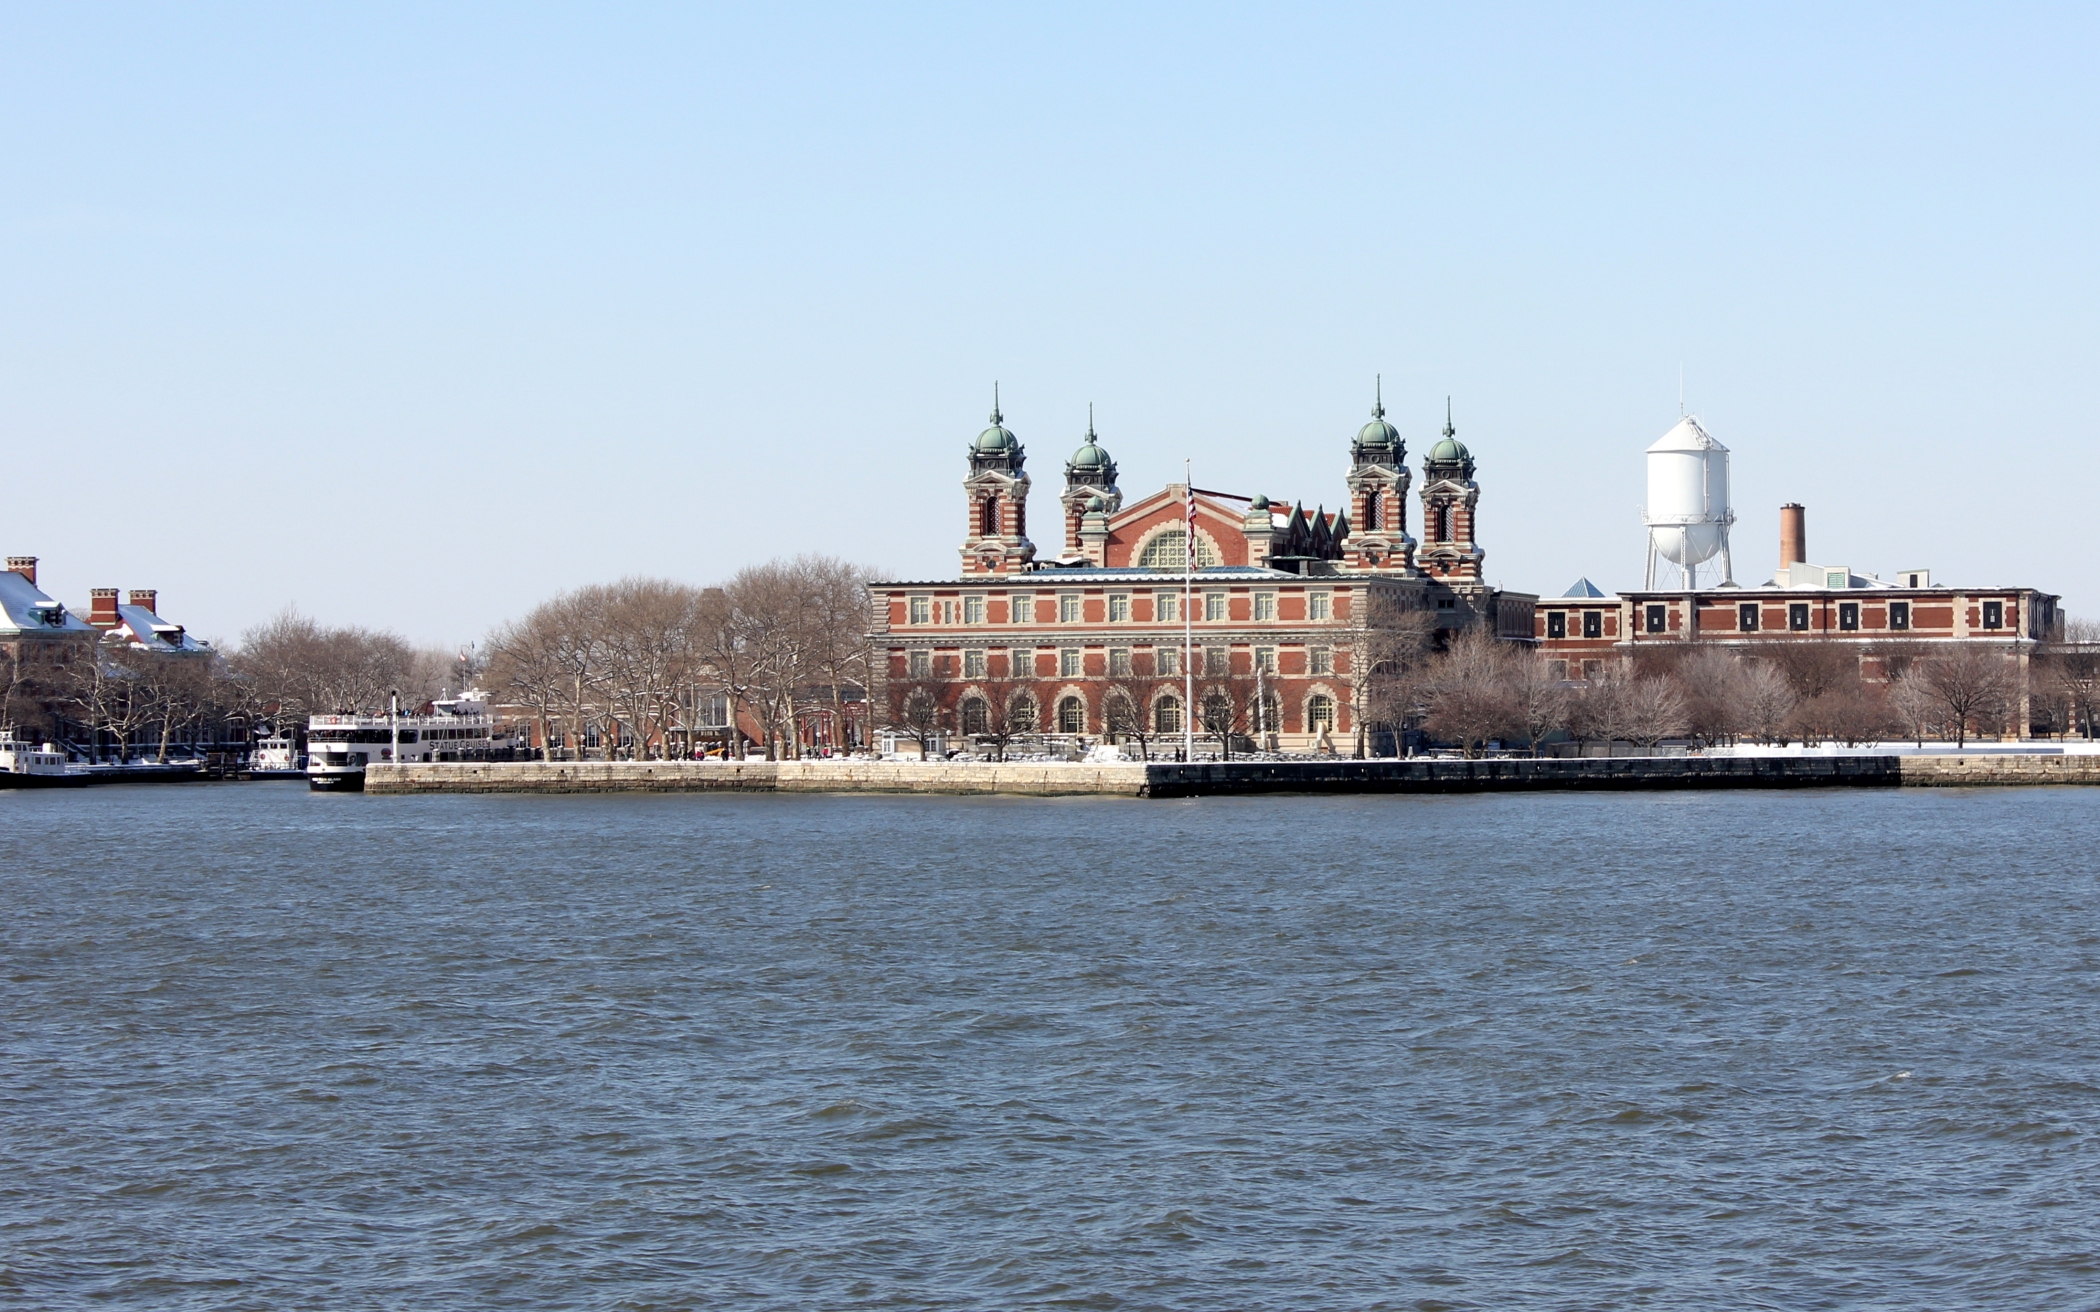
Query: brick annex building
{"points": [[1284, 600]]}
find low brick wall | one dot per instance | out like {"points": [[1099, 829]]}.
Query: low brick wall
{"points": [[1211, 779], [1039, 779]]}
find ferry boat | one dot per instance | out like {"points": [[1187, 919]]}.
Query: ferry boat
{"points": [[339, 747], [274, 757], [27, 765]]}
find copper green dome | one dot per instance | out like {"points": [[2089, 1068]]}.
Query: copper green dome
{"points": [[1450, 449], [1090, 456], [1095, 505]]}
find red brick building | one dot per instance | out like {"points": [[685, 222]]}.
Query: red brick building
{"points": [[1273, 619], [1880, 618]]}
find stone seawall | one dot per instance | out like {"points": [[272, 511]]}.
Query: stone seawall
{"points": [[1212, 779], [1512, 774], [1044, 779]]}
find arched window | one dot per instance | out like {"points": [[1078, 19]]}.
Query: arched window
{"points": [[1271, 714], [1020, 718], [1165, 552], [1166, 716], [988, 517], [1071, 716], [975, 715], [1443, 522], [1319, 713], [1217, 714], [1373, 505]]}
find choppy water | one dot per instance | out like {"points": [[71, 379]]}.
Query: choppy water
{"points": [[262, 1049]]}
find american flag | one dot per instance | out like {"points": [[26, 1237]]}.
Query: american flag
{"points": [[1189, 533]]}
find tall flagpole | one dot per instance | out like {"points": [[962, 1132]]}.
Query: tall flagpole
{"points": [[1188, 620]]}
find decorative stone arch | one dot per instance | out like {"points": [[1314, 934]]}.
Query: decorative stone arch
{"points": [[1308, 708], [1070, 692], [972, 693], [1160, 697], [1176, 526]]}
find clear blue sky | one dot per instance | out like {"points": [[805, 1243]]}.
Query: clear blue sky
{"points": [[413, 318]]}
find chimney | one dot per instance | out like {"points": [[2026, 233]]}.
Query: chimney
{"points": [[1793, 533], [147, 597], [102, 607], [23, 565]]}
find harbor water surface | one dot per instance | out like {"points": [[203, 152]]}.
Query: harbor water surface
{"points": [[266, 1049]]}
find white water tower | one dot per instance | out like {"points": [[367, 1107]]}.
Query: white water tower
{"points": [[1688, 514]]}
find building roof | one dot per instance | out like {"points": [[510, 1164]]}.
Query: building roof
{"points": [[25, 609], [1686, 435], [149, 630], [1582, 587]]}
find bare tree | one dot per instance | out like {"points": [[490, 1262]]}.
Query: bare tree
{"points": [[1390, 654], [1539, 698], [1765, 700], [1654, 710], [2074, 672], [1914, 706], [1468, 691], [917, 713], [1973, 684]]}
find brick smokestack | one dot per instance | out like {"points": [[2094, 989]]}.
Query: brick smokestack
{"points": [[23, 565], [102, 607], [147, 597], [1793, 533]]}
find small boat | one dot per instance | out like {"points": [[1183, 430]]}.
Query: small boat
{"points": [[339, 747], [29, 765], [275, 757]]}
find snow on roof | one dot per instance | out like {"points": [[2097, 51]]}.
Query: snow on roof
{"points": [[25, 609], [149, 629]]}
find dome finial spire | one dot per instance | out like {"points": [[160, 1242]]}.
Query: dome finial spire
{"points": [[1378, 407], [1090, 421], [997, 418], [1448, 429]]}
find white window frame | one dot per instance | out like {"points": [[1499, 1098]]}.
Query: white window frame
{"points": [[1265, 605], [1071, 608], [1071, 663], [1319, 606], [918, 610]]}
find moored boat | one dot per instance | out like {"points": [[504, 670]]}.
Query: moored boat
{"points": [[339, 747]]}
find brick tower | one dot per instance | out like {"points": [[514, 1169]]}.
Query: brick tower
{"points": [[1378, 480], [1090, 497], [1449, 495], [997, 492]]}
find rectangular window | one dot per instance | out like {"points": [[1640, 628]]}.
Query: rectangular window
{"points": [[1319, 606], [1167, 660], [1068, 608], [1848, 615], [1899, 615], [922, 610], [1556, 624], [1167, 606], [1797, 616], [1265, 659], [1217, 660], [1265, 605], [1119, 662], [1994, 614], [1592, 669], [1022, 609], [973, 609], [1119, 608], [1557, 671], [919, 665], [1593, 624], [1068, 665], [1746, 616], [1322, 660], [1658, 619], [973, 663], [1213, 605]]}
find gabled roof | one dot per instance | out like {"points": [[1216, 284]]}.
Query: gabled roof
{"points": [[1582, 587], [147, 629], [25, 610]]}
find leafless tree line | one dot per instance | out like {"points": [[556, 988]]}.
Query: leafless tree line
{"points": [[1477, 690], [638, 662]]}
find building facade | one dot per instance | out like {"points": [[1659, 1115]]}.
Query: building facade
{"points": [[1268, 608]]}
